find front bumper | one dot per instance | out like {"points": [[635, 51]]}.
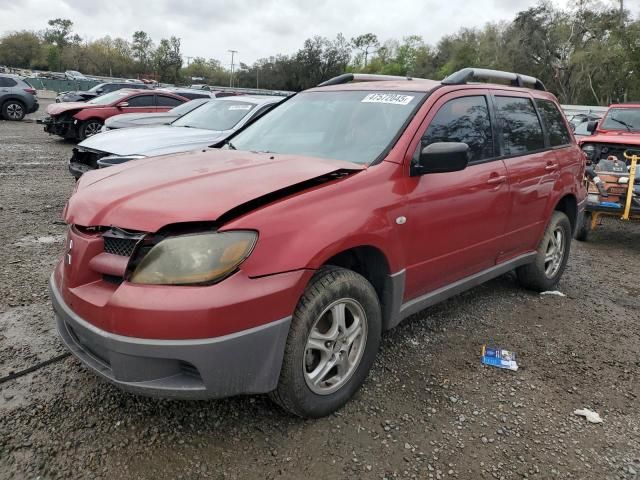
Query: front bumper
{"points": [[244, 362]]}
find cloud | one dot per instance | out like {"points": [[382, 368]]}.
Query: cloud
{"points": [[261, 28]]}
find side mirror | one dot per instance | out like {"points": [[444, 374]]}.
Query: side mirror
{"points": [[100, 91], [591, 126], [442, 157], [122, 104]]}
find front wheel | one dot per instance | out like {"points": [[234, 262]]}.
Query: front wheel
{"points": [[553, 252], [584, 227], [332, 343], [13, 110], [89, 128]]}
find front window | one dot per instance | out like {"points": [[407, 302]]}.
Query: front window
{"points": [[356, 126], [625, 119], [215, 115], [109, 98], [98, 88]]}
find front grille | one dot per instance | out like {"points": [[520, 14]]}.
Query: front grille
{"points": [[119, 246]]}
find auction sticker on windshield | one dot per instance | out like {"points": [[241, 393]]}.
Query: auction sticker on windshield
{"points": [[388, 98], [240, 107]]}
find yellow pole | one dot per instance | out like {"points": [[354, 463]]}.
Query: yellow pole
{"points": [[632, 180]]}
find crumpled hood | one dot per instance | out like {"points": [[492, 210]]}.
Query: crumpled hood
{"points": [[148, 194], [58, 108], [150, 141]]}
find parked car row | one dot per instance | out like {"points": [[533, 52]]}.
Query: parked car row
{"points": [[273, 262]]}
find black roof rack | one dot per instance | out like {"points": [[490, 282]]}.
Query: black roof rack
{"points": [[362, 77], [465, 75]]}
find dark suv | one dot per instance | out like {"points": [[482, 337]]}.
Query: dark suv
{"points": [[17, 97], [100, 89], [274, 264]]}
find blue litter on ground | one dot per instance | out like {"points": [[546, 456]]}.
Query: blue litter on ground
{"points": [[610, 204], [499, 357]]}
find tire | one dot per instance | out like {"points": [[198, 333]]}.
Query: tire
{"points": [[89, 128], [309, 386], [13, 110], [584, 227], [544, 274]]}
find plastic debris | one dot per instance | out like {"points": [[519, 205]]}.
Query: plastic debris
{"points": [[590, 415], [553, 292], [498, 357]]}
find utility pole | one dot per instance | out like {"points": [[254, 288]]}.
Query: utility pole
{"points": [[188, 60], [257, 76], [233, 52], [621, 13]]}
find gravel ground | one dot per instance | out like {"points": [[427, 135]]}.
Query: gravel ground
{"points": [[429, 409]]}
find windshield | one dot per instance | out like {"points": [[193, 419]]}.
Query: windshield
{"points": [[188, 106], [356, 126], [109, 98], [215, 115], [97, 87], [627, 119]]}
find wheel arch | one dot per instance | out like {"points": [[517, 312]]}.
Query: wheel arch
{"points": [[568, 205], [372, 263]]}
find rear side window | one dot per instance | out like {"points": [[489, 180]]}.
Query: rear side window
{"points": [[520, 126], [141, 101], [466, 120], [164, 101], [554, 123], [7, 82]]}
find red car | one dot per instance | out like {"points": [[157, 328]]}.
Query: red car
{"points": [[79, 120], [274, 263]]}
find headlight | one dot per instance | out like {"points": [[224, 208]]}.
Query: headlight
{"points": [[589, 149], [194, 259]]}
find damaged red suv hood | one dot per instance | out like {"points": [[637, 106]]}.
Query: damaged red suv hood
{"points": [[148, 194]]}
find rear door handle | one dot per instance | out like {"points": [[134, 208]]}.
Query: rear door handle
{"points": [[551, 167], [497, 180]]}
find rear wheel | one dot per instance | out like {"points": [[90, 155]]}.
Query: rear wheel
{"points": [[332, 343], [13, 110], [584, 227], [553, 252], [89, 128]]}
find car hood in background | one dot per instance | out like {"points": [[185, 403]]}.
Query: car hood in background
{"points": [[127, 120], [150, 193], [150, 141], [627, 138]]}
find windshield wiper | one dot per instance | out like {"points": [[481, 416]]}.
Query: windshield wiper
{"points": [[621, 122], [231, 146]]}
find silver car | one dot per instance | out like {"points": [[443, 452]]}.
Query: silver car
{"points": [[208, 124], [17, 97]]}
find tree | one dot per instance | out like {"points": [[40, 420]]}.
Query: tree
{"points": [[21, 49], [365, 43], [142, 50], [168, 59], [59, 35]]}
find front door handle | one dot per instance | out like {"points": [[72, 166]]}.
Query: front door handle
{"points": [[551, 167], [497, 180]]}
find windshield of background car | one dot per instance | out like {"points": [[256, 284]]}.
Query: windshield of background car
{"points": [[109, 98], [215, 115], [356, 126], [97, 87], [627, 119], [186, 107]]}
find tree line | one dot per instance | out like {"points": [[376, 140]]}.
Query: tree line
{"points": [[586, 54]]}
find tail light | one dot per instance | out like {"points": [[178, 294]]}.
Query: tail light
{"points": [[32, 91]]}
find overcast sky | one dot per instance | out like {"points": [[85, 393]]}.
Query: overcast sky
{"points": [[260, 28]]}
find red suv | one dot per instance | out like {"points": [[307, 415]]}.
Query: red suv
{"points": [[79, 120], [274, 263]]}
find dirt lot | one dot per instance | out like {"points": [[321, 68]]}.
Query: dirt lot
{"points": [[428, 410]]}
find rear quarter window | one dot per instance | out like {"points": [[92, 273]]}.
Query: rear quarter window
{"points": [[7, 82], [519, 125], [554, 122]]}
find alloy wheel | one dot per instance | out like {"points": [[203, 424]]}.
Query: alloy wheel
{"points": [[15, 111], [92, 128], [555, 253], [335, 346]]}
